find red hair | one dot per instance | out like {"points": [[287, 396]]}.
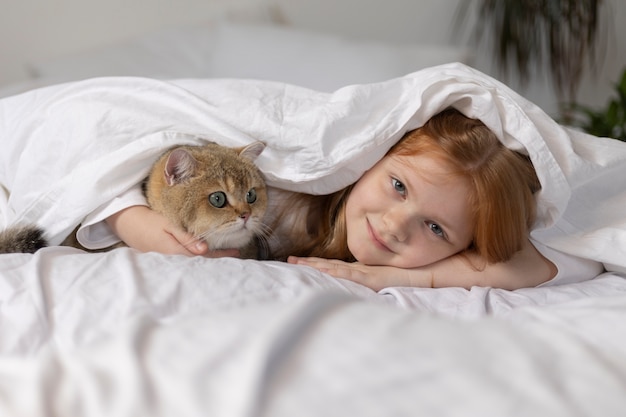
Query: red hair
{"points": [[501, 196], [503, 182]]}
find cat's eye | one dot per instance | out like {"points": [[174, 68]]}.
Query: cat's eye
{"points": [[251, 196], [217, 199]]}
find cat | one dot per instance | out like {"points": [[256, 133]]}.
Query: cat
{"points": [[214, 192]]}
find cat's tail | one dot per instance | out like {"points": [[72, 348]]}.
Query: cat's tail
{"points": [[22, 239]]}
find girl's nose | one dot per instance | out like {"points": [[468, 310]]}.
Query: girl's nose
{"points": [[398, 222]]}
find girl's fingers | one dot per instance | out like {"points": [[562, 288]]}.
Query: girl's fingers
{"points": [[333, 267], [199, 247], [311, 261]]}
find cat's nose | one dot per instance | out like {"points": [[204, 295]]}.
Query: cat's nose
{"points": [[245, 216]]}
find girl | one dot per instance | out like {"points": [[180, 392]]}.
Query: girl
{"points": [[449, 205]]}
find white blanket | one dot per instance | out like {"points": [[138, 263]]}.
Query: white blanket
{"points": [[70, 148], [125, 333]]}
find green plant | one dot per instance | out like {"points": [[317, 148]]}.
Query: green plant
{"points": [[607, 122], [524, 34]]}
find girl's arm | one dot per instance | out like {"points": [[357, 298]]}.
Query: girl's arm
{"points": [[144, 229], [527, 268]]}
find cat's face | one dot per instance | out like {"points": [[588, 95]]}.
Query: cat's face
{"points": [[214, 192], [228, 210]]}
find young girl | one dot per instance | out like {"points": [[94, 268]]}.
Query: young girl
{"points": [[449, 205]]}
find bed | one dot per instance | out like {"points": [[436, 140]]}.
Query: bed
{"points": [[124, 333]]}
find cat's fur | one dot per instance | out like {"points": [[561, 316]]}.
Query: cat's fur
{"points": [[214, 192], [25, 239], [185, 180]]}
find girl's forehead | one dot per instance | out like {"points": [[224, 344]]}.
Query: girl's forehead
{"points": [[430, 166]]}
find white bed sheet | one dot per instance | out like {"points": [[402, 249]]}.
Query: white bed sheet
{"points": [[127, 334], [70, 298]]}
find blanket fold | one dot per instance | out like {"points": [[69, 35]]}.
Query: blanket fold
{"points": [[72, 147]]}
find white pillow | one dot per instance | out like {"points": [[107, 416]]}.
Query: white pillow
{"points": [[182, 51], [318, 61], [171, 53]]}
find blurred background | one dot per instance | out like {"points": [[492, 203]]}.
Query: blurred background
{"points": [[48, 41]]}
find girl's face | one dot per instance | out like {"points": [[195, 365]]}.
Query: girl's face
{"points": [[407, 212]]}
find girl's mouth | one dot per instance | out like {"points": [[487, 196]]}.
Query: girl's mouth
{"points": [[378, 242]]}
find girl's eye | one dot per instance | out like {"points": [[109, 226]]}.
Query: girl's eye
{"points": [[217, 199], [398, 186], [436, 229], [251, 196]]}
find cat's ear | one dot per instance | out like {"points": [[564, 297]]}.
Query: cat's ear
{"points": [[252, 151], [180, 165]]}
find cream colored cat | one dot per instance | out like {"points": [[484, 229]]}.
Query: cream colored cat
{"points": [[214, 192]]}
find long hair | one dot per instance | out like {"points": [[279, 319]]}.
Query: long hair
{"points": [[322, 231], [501, 197], [502, 181]]}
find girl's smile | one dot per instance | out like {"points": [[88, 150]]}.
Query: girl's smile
{"points": [[396, 216], [375, 239]]}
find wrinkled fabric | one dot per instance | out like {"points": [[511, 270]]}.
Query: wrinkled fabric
{"points": [[72, 147], [125, 333]]}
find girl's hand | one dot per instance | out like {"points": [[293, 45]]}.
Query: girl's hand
{"points": [[374, 277], [527, 268], [148, 231]]}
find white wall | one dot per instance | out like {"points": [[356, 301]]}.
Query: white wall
{"points": [[40, 29], [35, 29]]}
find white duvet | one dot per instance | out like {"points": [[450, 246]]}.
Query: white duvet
{"points": [[130, 334], [70, 148]]}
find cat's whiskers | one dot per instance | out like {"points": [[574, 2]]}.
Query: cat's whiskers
{"points": [[223, 236], [264, 238], [204, 235], [192, 241], [266, 232]]}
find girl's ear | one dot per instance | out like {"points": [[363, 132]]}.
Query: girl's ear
{"points": [[180, 166], [252, 151]]}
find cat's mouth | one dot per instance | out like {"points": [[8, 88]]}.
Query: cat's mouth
{"points": [[235, 237]]}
